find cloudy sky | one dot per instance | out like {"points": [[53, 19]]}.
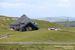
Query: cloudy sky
{"points": [[37, 8]]}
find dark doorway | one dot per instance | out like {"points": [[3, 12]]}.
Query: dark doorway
{"points": [[29, 27]]}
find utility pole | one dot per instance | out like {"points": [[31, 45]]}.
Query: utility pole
{"points": [[7, 25], [67, 23], [49, 38], [8, 38]]}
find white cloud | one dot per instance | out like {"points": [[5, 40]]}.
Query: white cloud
{"points": [[25, 5], [67, 1], [42, 7], [73, 0], [16, 0], [64, 0], [14, 5], [64, 5]]}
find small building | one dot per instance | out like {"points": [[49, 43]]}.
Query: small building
{"points": [[24, 24]]}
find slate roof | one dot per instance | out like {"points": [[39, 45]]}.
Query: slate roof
{"points": [[20, 20]]}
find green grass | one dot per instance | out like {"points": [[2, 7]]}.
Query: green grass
{"points": [[6, 28], [36, 47], [46, 24], [41, 35], [64, 23]]}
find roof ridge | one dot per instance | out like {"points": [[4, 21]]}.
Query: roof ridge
{"points": [[24, 15], [21, 19]]}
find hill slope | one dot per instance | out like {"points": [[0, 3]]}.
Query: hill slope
{"points": [[71, 23], [41, 23], [4, 20], [41, 35], [56, 19], [46, 24]]}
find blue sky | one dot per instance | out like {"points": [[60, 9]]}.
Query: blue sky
{"points": [[37, 8]]}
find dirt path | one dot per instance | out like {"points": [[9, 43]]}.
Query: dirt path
{"points": [[4, 36], [1, 24]]}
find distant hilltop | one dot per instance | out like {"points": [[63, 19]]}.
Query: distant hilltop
{"points": [[57, 19], [7, 18]]}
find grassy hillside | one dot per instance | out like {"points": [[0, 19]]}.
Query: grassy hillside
{"points": [[71, 23], [5, 24], [46, 24], [42, 24], [6, 20], [41, 35]]}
